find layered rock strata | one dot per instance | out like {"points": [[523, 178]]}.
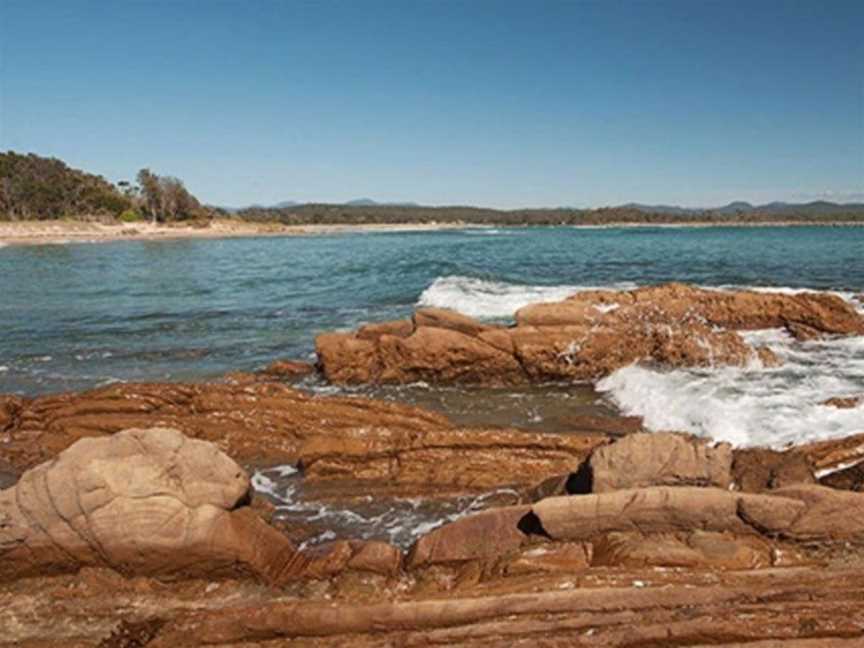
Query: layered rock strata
{"points": [[584, 337]]}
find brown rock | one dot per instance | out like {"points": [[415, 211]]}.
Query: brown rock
{"points": [[465, 458], [10, 406], [448, 319], [830, 515], [399, 328], [758, 469], [266, 422], [288, 369], [697, 550], [803, 332], [660, 459], [844, 402], [145, 501], [442, 355], [851, 478], [768, 358], [270, 423], [585, 337], [564, 557], [835, 453], [663, 509], [486, 534]]}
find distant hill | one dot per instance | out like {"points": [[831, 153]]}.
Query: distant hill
{"points": [[368, 202], [816, 208]]}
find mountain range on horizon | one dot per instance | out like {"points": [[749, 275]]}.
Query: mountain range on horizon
{"points": [[816, 207]]}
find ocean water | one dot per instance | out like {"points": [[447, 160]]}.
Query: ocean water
{"points": [[76, 316]]}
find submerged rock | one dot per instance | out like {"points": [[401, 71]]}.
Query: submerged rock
{"points": [[585, 337]]}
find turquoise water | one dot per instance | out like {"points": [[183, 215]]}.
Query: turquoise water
{"points": [[80, 315]]}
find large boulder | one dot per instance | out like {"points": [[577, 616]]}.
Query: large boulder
{"points": [[664, 509], [152, 502], [660, 459]]}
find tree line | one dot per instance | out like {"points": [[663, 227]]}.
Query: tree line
{"points": [[35, 187], [40, 188]]}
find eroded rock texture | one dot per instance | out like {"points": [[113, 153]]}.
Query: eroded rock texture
{"points": [[152, 502], [584, 337], [273, 423]]}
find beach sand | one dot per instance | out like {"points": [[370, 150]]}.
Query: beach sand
{"points": [[75, 231]]}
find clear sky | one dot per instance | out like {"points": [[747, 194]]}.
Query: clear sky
{"points": [[508, 104]]}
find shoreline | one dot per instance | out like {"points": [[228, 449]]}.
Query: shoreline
{"points": [[13, 233], [61, 232]]}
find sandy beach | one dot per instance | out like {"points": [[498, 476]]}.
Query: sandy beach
{"points": [[75, 231]]}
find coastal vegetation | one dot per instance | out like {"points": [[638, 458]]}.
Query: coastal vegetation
{"points": [[33, 187]]}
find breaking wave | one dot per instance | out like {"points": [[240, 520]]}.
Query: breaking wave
{"points": [[485, 299], [752, 406]]}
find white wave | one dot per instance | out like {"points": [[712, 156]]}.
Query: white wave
{"points": [[753, 406], [487, 299], [399, 520], [484, 299]]}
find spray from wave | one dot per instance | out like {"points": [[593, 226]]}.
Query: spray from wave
{"points": [[485, 299], [752, 406]]}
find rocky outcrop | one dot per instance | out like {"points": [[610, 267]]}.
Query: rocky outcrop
{"points": [[582, 338], [759, 469], [460, 458], [272, 423], [153, 502], [660, 459]]}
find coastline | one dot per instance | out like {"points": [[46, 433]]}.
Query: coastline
{"points": [[53, 232], [72, 231]]}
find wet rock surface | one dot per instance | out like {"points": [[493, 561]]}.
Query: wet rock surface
{"points": [[661, 544], [584, 337]]}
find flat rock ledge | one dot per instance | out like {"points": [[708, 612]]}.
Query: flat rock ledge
{"points": [[585, 337], [147, 537]]}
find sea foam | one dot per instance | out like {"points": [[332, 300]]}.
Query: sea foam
{"points": [[750, 406], [485, 299]]}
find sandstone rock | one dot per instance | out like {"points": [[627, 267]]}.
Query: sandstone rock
{"points": [[767, 357], [696, 550], [566, 557], [585, 337], [448, 319], [851, 478], [466, 458], [734, 310], [486, 534], [664, 509], [399, 328], [829, 515], [287, 369], [834, 454], [845, 402], [802, 332], [443, 355], [8, 475], [660, 459], [758, 469], [251, 423], [152, 502], [145, 501]]}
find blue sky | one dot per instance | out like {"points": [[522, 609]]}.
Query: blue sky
{"points": [[503, 104]]}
